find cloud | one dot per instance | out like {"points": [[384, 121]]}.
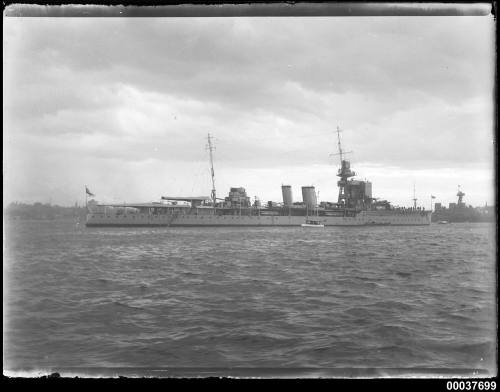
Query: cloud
{"points": [[135, 95]]}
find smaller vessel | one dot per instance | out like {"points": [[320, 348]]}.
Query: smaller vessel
{"points": [[443, 222], [312, 223], [459, 212]]}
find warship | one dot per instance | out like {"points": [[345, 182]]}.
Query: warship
{"points": [[459, 212], [355, 206]]}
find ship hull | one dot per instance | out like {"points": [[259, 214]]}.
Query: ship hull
{"points": [[364, 218]]}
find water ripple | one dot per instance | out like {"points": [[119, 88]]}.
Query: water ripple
{"points": [[268, 297]]}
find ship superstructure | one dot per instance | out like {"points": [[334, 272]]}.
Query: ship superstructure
{"points": [[460, 212], [355, 206]]}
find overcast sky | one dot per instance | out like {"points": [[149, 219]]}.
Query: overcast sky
{"points": [[124, 106]]}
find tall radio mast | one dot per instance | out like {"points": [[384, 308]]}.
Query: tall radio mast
{"points": [[344, 172], [340, 153], [211, 148]]}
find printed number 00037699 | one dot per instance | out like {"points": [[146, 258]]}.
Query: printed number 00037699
{"points": [[471, 385]]}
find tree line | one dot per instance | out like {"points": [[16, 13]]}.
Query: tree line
{"points": [[38, 210]]}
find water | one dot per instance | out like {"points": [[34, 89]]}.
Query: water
{"points": [[85, 300]]}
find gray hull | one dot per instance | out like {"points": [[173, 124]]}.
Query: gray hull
{"points": [[364, 218]]}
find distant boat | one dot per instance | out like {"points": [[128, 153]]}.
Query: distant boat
{"points": [[443, 222], [312, 223]]}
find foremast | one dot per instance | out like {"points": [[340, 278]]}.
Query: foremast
{"points": [[344, 173], [211, 147], [460, 195]]}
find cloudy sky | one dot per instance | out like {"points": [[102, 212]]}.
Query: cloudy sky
{"points": [[124, 105]]}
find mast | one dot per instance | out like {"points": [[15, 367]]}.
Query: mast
{"points": [[340, 146], [87, 194], [344, 173], [460, 195], [211, 148]]}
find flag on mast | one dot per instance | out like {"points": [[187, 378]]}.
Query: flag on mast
{"points": [[88, 192], [433, 197]]}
